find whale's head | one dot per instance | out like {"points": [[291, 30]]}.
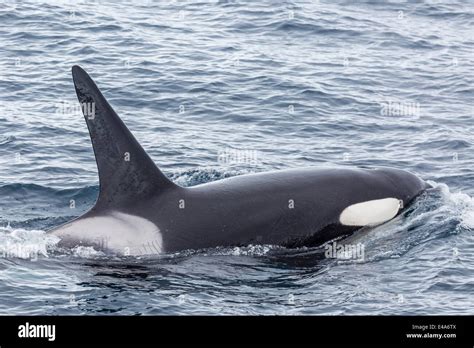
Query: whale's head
{"points": [[407, 185]]}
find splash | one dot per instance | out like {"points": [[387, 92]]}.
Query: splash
{"points": [[249, 250], [204, 175], [86, 252], [25, 244], [460, 204], [436, 214]]}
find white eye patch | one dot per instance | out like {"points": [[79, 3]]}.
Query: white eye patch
{"points": [[371, 213]]}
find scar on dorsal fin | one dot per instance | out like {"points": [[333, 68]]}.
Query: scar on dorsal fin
{"points": [[126, 172]]}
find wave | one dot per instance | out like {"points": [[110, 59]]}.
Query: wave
{"points": [[201, 176], [186, 178], [20, 189]]}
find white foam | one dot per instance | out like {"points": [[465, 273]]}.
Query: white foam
{"points": [[86, 252], [461, 203], [25, 244], [249, 250]]}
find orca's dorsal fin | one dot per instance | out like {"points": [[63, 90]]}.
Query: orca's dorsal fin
{"points": [[126, 172]]}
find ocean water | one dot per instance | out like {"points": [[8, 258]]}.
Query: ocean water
{"points": [[214, 89]]}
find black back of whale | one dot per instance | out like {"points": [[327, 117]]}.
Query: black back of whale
{"points": [[299, 207], [292, 208]]}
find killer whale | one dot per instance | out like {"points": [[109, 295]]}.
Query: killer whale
{"points": [[139, 211]]}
